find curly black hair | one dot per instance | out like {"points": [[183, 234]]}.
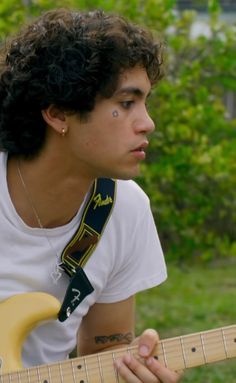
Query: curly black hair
{"points": [[66, 58]]}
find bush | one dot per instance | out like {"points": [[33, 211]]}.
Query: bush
{"points": [[190, 175]]}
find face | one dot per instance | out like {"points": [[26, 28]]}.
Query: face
{"points": [[113, 141]]}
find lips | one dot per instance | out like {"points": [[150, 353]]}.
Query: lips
{"points": [[141, 148]]}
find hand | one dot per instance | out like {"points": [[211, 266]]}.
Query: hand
{"points": [[145, 369]]}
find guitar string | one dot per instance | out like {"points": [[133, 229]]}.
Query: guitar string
{"points": [[93, 365], [83, 359], [107, 371], [80, 360]]}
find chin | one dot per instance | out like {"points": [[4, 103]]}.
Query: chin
{"points": [[127, 175], [120, 172]]}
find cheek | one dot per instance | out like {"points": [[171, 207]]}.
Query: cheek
{"points": [[102, 134], [93, 144]]}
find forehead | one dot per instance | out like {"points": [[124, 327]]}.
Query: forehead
{"points": [[134, 80]]}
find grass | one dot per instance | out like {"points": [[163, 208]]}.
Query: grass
{"points": [[193, 299]]}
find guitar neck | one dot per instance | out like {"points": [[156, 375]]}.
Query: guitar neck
{"points": [[176, 353]]}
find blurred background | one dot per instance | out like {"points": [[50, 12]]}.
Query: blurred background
{"points": [[190, 172]]}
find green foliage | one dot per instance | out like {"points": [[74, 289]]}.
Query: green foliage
{"points": [[14, 13], [190, 174]]}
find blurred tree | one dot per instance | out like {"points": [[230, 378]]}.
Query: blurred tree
{"points": [[191, 172], [14, 13]]}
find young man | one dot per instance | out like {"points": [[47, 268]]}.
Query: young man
{"points": [[73, 90]]}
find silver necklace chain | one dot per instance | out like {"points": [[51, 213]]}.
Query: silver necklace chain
{"points": [[56, 273]]}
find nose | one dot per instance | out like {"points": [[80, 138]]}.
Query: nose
{"points": [[144, 124]]}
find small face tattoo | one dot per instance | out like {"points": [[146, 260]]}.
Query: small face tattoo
{"points": [[115, 113]]}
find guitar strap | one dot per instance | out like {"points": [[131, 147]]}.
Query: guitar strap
{"points": [[81, 246]]}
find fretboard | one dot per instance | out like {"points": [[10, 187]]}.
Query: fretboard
{"points": [[176, 353]]}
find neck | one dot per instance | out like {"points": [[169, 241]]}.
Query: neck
{"points": [[43, 194]]}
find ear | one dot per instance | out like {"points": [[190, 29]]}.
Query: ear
{"points": [[55, 118]]}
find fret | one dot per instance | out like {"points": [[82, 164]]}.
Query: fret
{"points": [[43, 374], [31, 375], [116, 372], [164, 353], [23, 376], [108, 369], [203, 348], [73, 371], [100, 368], [38, 374], [230, 341], [68, 373], [55, 373], [2, 378], [86, 370], [61, 373], [183, 352], [214, 346], [5, 378], [10, 378], [81, 369], [89, 369], [193, 351], [224, 341], [15, 377], [173, 353], [49, 374], [28, 375]]}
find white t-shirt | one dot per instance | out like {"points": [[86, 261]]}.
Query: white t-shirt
{"points": [[127, 259]]}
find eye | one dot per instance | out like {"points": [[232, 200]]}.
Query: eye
{"points": [[127, 104]]}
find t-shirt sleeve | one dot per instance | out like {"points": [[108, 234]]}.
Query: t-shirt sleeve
{"points": [[141, 264]]}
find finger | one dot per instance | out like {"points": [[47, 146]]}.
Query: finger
{"points": [[133, 371], [124, 371], [147, 342], [164, 374]]}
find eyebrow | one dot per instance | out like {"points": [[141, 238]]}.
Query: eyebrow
{"points": [[131, 90]]}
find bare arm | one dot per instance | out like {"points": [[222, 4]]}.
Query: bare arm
{"points": [[109, 326]]}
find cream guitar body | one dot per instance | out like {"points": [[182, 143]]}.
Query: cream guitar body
{"points": [[21, 313], [18, 316]]}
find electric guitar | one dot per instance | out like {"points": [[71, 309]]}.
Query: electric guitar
{"points": [[21, 313]]}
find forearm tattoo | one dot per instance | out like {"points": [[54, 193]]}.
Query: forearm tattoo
{"points": [[115, 338]]}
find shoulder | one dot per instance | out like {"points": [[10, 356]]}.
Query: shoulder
{"points": [[130, 200], [129, 193]]}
